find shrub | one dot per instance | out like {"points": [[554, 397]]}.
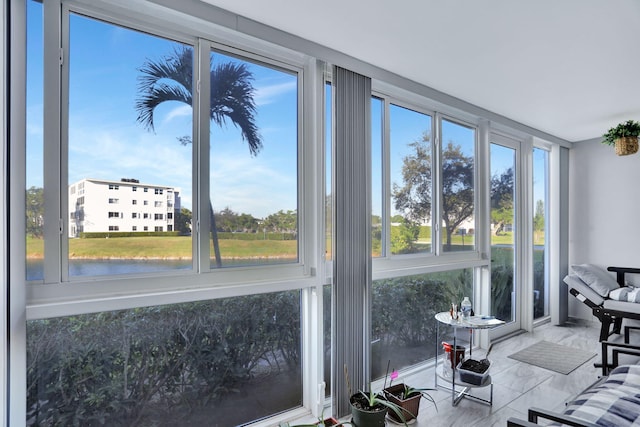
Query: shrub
{"points": [[129, 367]]}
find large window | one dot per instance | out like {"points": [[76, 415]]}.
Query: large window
{"points": [[125, 117], [211, 136], [423, 203], [231, 360], [179, 220], [403, 329], [422, 183], [254, 191]]}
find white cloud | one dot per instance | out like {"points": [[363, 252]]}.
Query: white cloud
{"points": [[267, 94], [180, 111], [245, 184], [252, 185], [124, 153]]}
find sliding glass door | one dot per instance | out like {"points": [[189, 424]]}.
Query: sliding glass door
{"points": [[540, 233], [505, 231]]}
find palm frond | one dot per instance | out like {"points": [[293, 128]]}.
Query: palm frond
{"points": [[232, 92], [168, 79], [232, 98]]}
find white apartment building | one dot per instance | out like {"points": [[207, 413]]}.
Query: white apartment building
{"points": [[127, 205]]}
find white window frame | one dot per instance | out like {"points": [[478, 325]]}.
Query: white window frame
{"points": [[56, 296], [29, 301], [62, 296], [523, 252], [389, 266]]}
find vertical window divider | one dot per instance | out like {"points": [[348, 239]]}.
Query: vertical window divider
{"points": [[201, 154], [55, 143], [311, 246], [436, 189], [4, 229], [386, 180], [558, 232], [482, 282], [525, 238], [13, 360], [483, 203]]}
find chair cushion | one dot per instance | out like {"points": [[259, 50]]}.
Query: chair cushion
{"points": [[625, 293], [627, 307], [574, 282], [596, 278], [615, 402]]}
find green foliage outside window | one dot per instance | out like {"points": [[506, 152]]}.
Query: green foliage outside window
{"points": [[403, 324], [155, 365], [35, 212], [161, 364]]}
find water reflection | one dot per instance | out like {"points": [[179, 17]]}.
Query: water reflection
{"points": [[102, 267]]}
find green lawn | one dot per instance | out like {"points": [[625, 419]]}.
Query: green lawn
{"points": [[180, 247], [165, 247], [507, 239]]}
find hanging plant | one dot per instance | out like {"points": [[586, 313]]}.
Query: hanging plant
{"points": [[624, 137]]}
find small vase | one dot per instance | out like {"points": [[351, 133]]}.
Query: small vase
{"points": [[626, 145]]}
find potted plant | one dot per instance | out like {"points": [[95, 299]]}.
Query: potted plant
{"points": [[407, 398], [369, 409], [624, 137]]}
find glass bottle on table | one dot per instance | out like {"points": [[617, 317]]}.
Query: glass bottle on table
{"points": [[465, 308]]}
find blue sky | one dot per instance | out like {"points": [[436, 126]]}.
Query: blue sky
{"points": [[106, 141]]}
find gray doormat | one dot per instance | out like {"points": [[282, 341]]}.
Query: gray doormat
{"points": [[555, 357]]}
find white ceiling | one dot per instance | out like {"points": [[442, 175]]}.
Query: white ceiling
{"points": [[566, 67]]}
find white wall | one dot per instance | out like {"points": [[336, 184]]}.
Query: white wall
{"points": [[604, 210]]}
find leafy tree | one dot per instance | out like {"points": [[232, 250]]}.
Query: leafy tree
{"points": [[183, 221], [414, 196], [538, 218], [397, 218], [457, 188], [35, 211], [502, 200], [403, 237], [231, 97], [228, 220], [503, 214], [282, 222], [247, 223]]}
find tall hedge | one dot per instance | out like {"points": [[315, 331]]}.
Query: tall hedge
{"points": [[130, 367]]}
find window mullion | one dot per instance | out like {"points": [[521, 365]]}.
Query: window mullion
{"points": [[55, 119], [201, 163], [386, 180], [436, 187]]}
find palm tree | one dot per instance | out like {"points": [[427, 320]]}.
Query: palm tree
{"points": [[231, 95]]}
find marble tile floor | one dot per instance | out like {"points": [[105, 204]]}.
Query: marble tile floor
{"points": [[517, 385]]}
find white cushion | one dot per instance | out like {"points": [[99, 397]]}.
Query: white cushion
{"points": [[596, 278], [627, 307], [574, 282]]}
